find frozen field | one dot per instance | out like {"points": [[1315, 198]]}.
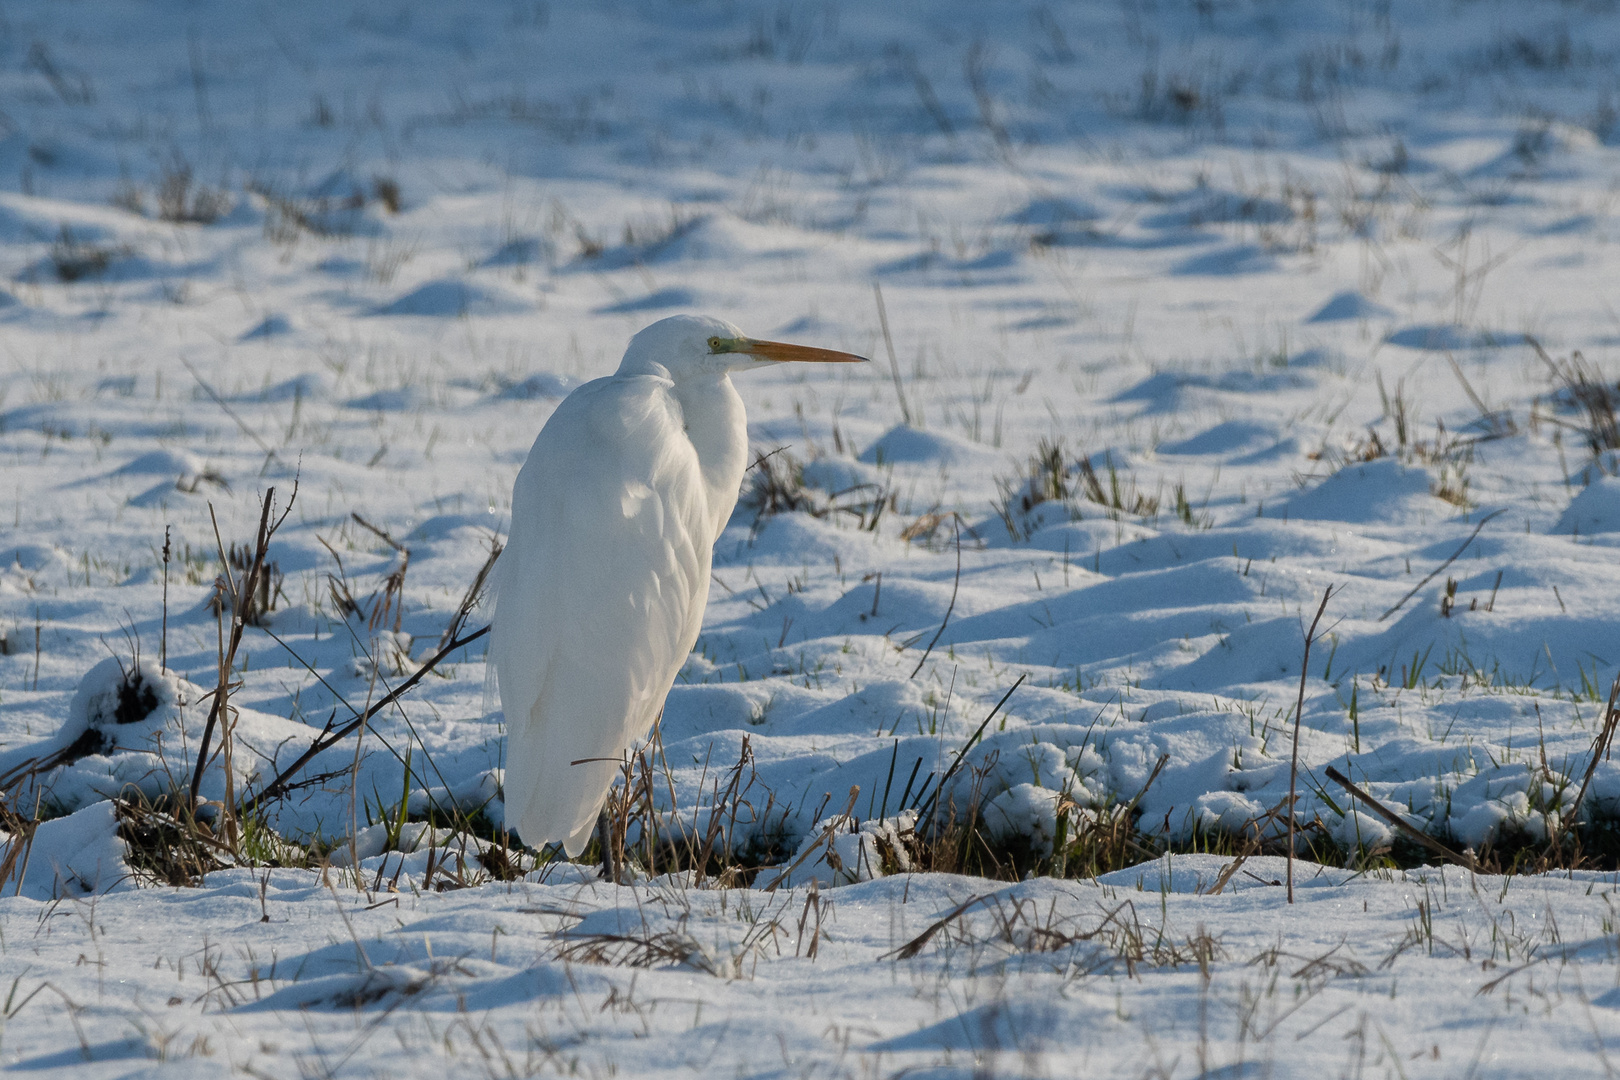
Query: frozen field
{"points": [[1194, 309]]}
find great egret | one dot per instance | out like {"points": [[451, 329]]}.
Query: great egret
{"points": [[599, 594]]}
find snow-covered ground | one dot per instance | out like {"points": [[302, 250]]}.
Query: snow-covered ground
{"points": [[1270, 283]]}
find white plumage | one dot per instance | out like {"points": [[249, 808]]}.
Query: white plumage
{"points": [[599, 594]]}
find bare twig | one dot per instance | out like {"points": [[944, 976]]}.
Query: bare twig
{"points": [[269, 451], [242, 597], [824, 840], [1600, 745], [955, 584], [924, 813], [915, 945], [1449, 560], [278, 786], [894, 364], [470, 599], [380, 532], [1227, 873], [1461, 859], [1456, 369], [1299, 712], [163, 641], [1158, 767]]}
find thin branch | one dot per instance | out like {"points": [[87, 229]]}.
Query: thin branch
{"points": [[242, 597], [1449, 560], [1600, 745], [915, 945], [470, 600], [956, 584], [381, 532], [923, 814], [278, 786], [894, 364], [1456, 369], [1299, 712], [230, 412], [1388, 815]]}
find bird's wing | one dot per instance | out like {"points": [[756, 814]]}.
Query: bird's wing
{"points": [[599, 597]]}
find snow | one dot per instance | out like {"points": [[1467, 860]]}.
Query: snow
{"points": [[1263, 274]]}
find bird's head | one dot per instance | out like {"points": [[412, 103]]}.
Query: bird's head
{"points": [[685, 345]]}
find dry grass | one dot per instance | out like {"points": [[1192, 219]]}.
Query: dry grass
{"points": [[676, 947], [1047, 480], [75, 258], [267, 589], [776, 486], [1019, 925], [388, 598], [1052, 478], [1583, 387], [289, 217], [1448, 453], [732, 831], [181, 199]]}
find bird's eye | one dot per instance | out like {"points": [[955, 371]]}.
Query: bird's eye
{"points": [[714, 344]]}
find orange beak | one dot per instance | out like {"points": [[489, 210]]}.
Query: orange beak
{"points": [[781, 350]]}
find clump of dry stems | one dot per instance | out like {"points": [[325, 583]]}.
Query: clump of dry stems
{"points": [[776, 486]]}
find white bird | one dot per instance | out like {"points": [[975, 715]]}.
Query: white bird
{"points": [[600, 591]]}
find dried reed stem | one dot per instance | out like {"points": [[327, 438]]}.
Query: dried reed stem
{"points": [[242, 594], [1461, 859], [894, 364], [1299, 712], [1600, 745], [1449, 560], [278, 786]]}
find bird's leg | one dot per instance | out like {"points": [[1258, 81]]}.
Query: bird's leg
{"points": [[604, 838]]}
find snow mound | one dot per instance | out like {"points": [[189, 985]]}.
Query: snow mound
{"points": [[1053, 213], [1506, 803], [402, 399], [657, 300], [1227, 811], [310, 386], [1358, 830], [268, 327], [1383, 491], [719, 238], [1350, 305], [22, 566], [911, 446], [693, 710], [806, 326], [1540, 150], [161, 463], [1184, 874], [131, 725], [543, 384], [836, 475], [1595, 510], [1024, 812], [1237, 259], [517, 252], [452, 297], [77, 855], [1231, 437], [842, 851], [1441, 338]]}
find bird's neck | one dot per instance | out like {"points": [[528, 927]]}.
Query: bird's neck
{"points": [[717, 426]]}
